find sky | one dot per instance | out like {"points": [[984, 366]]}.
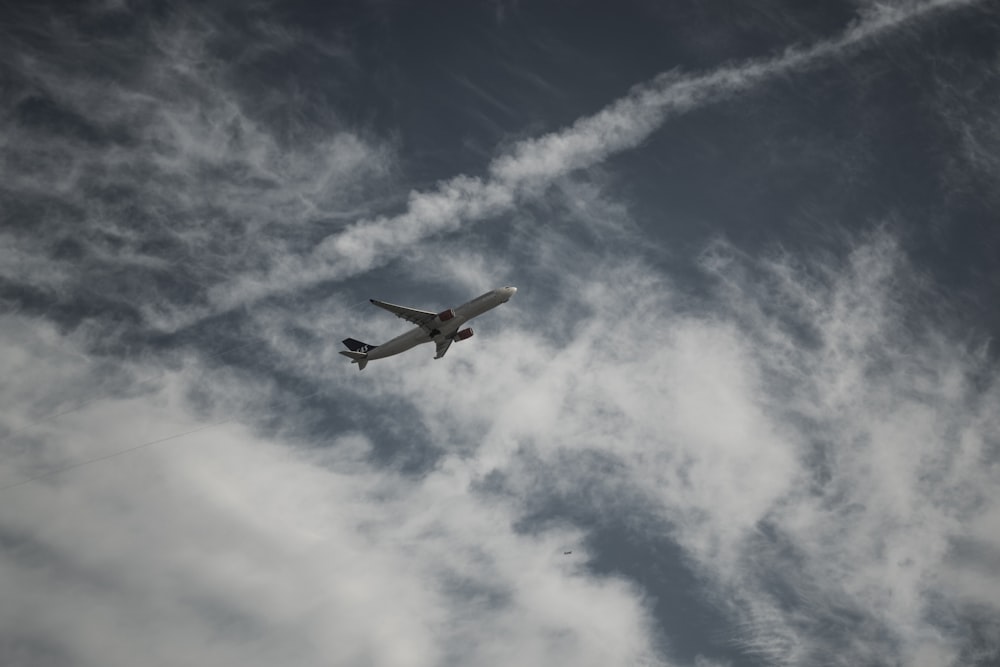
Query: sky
{"points": [[749, 379]]}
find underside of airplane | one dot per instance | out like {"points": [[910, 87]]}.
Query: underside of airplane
{"points": [[442, 328]]}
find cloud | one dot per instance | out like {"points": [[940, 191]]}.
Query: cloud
{"points": [[164, 160], [814, 437], [528, 168], [136, 146], [807, 443], [229, 548], [817, 444]]}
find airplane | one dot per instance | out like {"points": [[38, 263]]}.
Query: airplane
{"points": [[443, 328]]}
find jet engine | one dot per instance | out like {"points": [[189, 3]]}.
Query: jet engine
{"points": [[463, 334], [446, 315]]}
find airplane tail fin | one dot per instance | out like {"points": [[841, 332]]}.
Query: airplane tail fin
{"points": [[355, 345], [357, 351]]}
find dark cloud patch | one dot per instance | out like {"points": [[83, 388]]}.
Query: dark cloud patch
{"points": [[68, 312], [976, 553], [34, 651], [229, 623], [45, 115], [983, 632], [35, 211]]}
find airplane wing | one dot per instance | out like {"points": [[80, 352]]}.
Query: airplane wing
{"points": [[442, 347], [419, 317]]}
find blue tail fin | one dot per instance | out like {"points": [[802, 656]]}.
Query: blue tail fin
{"points": [[357, 346]]}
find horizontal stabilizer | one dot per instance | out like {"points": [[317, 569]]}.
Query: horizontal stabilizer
{"points": [[359, 358]]}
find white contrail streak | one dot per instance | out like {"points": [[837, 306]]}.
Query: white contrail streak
{"points": [[532, 165]]}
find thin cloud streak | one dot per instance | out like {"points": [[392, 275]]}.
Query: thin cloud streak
{"points": [[531, 166]]}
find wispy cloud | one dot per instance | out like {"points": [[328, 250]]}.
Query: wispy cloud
{"points": [[137, 163], [808, 439], [529, 167], [163, 160]]}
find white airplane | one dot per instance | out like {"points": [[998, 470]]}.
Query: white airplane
{"points": [[443, 328]]}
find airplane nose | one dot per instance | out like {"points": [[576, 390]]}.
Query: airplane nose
{"points": [[511, 291]]}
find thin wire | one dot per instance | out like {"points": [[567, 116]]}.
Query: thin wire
{"points": [[112, 455], [140, 383], [134, 448], [129, 450]]}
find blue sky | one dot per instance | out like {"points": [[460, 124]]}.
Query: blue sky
{"points": [[749, 378]]}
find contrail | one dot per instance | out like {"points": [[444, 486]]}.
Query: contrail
{"points": [[531, 166]]}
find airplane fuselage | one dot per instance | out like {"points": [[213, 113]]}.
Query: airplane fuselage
{"points": [[441, 331]]}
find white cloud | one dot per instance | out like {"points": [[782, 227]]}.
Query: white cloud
{"points": [[224, 547], [823, 463], [817, 443]]}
